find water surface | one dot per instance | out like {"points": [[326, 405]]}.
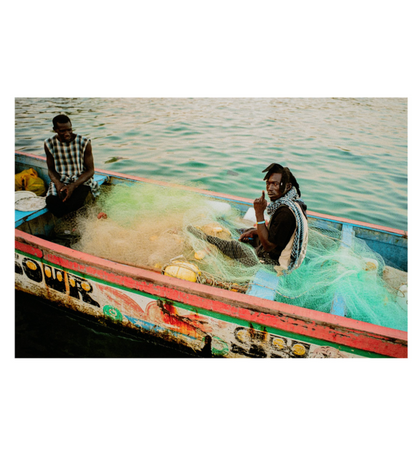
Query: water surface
{"points": [[349, 155]]}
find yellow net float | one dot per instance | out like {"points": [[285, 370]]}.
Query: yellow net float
{"points": [[182, 269], [216, 230], [200, 255]]}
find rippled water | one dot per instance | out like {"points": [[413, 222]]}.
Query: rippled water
{"points": [[349, 155]]}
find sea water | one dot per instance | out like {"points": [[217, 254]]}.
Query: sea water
{"points": [[348, 155]]}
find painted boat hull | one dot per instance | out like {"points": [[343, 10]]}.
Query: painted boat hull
{"points": [[207, 320]]}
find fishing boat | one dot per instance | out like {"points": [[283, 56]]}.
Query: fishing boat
{"points": [[204, 319]]}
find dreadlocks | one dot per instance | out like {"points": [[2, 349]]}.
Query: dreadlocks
{"points": [[287, 176]]}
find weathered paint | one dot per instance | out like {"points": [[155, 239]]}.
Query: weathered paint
{"points": [[160, 317], [290, 321]]}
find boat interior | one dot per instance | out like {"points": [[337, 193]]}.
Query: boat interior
{"points": [[391, 247]]}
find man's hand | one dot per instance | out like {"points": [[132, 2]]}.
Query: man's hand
{"points": [[260, 205], [59, 185], [66, 191], [248, 235]]}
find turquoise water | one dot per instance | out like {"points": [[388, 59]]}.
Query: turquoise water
{"points": [[349, 155]]}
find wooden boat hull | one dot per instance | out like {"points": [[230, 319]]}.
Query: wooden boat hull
{"points": [[205, 319]]}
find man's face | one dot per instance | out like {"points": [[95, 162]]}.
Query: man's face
{"points": [[64, 131], [273, 186]]}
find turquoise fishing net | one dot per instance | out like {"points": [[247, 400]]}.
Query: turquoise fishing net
{"points": [[351, 276], [146, 226]]}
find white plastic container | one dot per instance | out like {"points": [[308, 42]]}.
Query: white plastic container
{"points": [[251, 215]]}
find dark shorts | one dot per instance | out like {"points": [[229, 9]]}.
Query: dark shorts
{"points": [[75, 202]]}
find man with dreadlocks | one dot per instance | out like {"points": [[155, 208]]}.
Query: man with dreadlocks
{"points": [[282, 243]]}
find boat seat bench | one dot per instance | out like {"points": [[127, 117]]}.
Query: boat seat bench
{"points": [[338, 306], [21, 217], [263, 285]]}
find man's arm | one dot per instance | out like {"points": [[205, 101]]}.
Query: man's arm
{"points": [[88, 166], [53, 174], [260, 205], [86, 175]]}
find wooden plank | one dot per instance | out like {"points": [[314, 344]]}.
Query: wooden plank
{"points": [[101, 178], [21, 217], [338, 306], [264, 285]]}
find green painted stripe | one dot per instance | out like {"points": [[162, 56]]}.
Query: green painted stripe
{"points": [[280, 332], [218, 315]]}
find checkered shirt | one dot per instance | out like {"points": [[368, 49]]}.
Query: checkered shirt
{"points": [[69, 162]]}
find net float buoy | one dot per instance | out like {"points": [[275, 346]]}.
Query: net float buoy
{"points": [[182, 270], [200, 254]]}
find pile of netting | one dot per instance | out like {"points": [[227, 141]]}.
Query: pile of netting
{"points": [[353, 277], [148, 226]]}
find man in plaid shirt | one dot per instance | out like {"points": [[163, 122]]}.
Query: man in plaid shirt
{"points": [[70, 168]]}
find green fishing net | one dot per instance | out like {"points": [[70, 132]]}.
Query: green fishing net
{"points": [[147, 226], [352, 277]]}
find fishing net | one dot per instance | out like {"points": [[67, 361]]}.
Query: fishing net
{"points": [[353, 278], [157, 228], [146, 225]]}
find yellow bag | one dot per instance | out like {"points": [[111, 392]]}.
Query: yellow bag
{"points": [[28, 180]]}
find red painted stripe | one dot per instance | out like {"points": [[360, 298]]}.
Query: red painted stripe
{"points": [[28, 249], [30, 155], [341, 330]]}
